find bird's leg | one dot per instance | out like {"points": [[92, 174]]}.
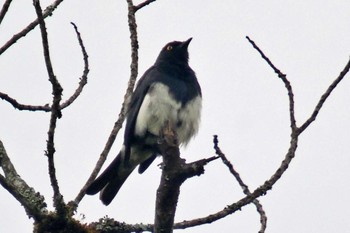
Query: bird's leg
{"points": [[168, 135]]}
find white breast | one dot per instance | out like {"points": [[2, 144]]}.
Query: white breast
{"points": [[158, 107]]}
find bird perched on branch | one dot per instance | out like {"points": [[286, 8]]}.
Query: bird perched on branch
{"points": [[167, 95]]}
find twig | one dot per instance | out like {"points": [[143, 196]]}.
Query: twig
{"points": [[143, 4], [118, 124], [4, 9], [246, 191], [324, 98], [83, 79], [33, 202], [55, 113], [48, 12], [19, 106], [134, 49], [283, 77], [134, 60]]}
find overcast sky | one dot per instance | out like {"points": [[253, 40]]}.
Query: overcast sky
{"points": [[243, 102]]}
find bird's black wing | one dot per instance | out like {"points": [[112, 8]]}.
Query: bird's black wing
{"points": [[146, 81]]}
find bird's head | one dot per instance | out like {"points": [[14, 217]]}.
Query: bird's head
{"points": [[175, 52]]}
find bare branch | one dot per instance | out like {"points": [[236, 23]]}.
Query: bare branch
{"points": [[324, 98], [100, 162], [55, 113], [83, 80], [262, 190], [48, 12], [134, 49], [246, 191], [283, 77], [143, 4], [175, 171], [118, 124], [70, 100], [4, 9], [290, 91], [19, 106], [32, 201], [169, 188]]}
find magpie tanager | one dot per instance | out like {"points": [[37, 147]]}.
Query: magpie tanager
{"points": [[168, 94]]}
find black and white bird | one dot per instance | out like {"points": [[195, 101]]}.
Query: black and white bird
{"points": [[168, 93]]}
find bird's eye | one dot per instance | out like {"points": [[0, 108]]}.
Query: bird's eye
{"points": [[169, 47]]}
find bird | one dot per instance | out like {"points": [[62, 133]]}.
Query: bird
{"points": [[167, 95]]}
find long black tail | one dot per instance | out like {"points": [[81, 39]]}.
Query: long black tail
{"points": [[111, 180]]}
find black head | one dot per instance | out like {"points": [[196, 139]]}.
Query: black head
{"points": [[175, 52]]}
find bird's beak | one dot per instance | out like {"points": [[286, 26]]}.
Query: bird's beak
{"points": [[186, 43]]}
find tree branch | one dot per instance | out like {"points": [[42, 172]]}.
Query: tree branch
{"points": [[169, 189], [19, 106], [109, 225], [143, 4], [262, 190], [32, 201], [70, 100], [175, 171], [4, 9], [246, 191], [48, 12], [286, 82], [118, 124], [324, 98], [55, 113], [134, 58], [83, 79]]}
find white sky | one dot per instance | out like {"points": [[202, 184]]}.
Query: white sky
{"points": [[244, 103]]}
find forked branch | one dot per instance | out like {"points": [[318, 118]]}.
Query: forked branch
{"points": [[246, 191]]}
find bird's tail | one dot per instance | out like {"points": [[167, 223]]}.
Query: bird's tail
{"points": [[111, 180]]}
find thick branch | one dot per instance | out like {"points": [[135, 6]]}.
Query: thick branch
{"points": [[174, 172], [32, 201], [169, 190], [109, 225], [48, 12]]}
